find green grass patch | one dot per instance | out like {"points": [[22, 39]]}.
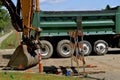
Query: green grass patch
{"points": [[1, 34], [11, 41], [33, 76]]}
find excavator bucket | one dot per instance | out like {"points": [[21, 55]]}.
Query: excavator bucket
{"points": [[22, 59]]}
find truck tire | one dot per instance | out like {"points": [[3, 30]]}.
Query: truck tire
{"points": [[46, 49], [100, 47], [64, 49], [87, 48]]}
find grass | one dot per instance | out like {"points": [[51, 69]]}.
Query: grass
{"points": [[1, 34], [11, 41], [33, 76]]}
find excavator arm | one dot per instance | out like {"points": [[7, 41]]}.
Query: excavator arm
{"points": [[21, 14], [27, 13]]}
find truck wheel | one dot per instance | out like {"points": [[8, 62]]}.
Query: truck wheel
{"points": [[46, 49], [87, 48], [100, 47], [64, 49]]}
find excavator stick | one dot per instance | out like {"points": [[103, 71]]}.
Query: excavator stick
{"points": [[22, 59]]}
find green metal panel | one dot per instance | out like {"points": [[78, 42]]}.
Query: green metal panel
{"points": [[79, 13], [34, 21], [73, 24], [118, 21], [57, 23]]}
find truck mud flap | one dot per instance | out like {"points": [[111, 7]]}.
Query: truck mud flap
{"points": [[22, 59]]}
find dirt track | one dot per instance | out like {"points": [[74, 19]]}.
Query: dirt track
{"points": [[109, 63], [5, 36]]}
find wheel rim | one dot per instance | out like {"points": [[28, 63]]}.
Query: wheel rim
{"points": [[101, 47], [65, 49], [85, 50], [45, 50]]}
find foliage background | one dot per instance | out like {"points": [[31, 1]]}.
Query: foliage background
{"points": [[5, 22]]}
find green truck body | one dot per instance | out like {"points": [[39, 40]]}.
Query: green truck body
{"points": [[100, 24]]}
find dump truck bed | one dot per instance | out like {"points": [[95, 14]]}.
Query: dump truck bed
{"points": [[57, 23]]}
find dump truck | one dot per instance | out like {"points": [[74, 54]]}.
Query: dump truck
{"points": [[101, 29]]}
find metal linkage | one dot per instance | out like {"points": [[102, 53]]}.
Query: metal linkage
{"points": [[76, 45], [79, 56]]}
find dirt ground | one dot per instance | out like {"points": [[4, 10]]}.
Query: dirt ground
{"points": [[110, 63]]}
